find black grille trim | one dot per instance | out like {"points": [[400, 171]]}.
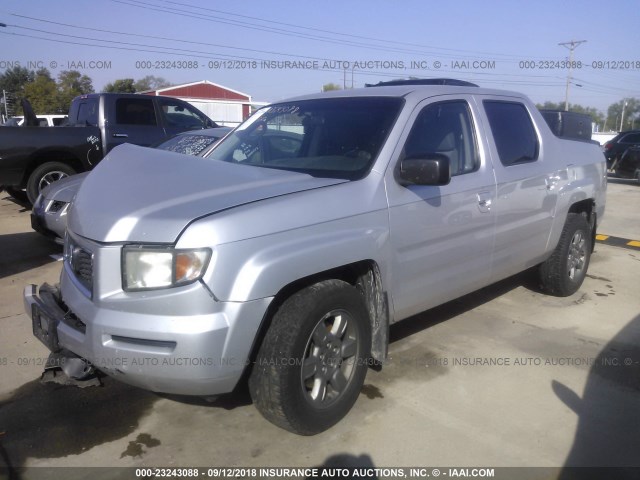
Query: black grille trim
{"points": [[82, 267]]}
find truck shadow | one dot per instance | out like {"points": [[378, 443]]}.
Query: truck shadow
{"points": [[24, 203], [449, 310], [20, 252], [53, 421], [608, 432]]}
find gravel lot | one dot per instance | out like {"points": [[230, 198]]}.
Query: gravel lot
{"points": [[502, 377]]}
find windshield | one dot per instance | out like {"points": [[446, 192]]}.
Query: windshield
{"points": [[330, 137]]}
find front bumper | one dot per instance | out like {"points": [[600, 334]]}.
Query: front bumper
{"points": [[51, 225], [38, 224], [190, 354]]}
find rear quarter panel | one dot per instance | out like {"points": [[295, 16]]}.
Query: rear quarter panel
{"points": [[586, 179]]}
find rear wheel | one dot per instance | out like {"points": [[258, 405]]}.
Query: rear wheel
{"points": [[562, 274], [313, 360], [45, 175]]}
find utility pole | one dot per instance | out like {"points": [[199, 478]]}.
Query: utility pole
{"points": [[624, 105], [572, 45], [4, 101]]}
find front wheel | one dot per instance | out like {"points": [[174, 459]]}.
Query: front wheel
{"points": [[44, 175], [562, 274], [313, 361]]}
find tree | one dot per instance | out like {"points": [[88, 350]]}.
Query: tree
{"points": [[72, 83], [330, 86], [631, 113], [42, 93], [150, 82], [13, 80], [122, 85]]}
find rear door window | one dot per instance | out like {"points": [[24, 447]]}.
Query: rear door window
{"points": [[87, 112], [513, 132], [135, 111]]}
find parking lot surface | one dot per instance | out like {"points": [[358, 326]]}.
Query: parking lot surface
{"points": [[503, 377]]}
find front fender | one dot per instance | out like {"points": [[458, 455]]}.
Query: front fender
{"points": [[260, 267]]}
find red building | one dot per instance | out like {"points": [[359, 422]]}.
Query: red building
{"points": [[223, 105]]}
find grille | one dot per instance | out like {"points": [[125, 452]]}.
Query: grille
{"points": [[82, 266]]}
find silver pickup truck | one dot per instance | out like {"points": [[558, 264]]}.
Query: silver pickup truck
{"points": [[285, 255]]}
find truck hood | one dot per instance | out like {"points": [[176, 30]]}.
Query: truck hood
{"points": [[139, 194]]}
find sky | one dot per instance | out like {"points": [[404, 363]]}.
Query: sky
{"points": [[283, 48]]}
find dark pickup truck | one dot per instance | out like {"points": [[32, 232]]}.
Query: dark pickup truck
{"points": [[33, 157]]}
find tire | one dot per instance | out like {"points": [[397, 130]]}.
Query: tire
{"points": [[44, 175], [562, 274], [312, 363], [17, 194]]}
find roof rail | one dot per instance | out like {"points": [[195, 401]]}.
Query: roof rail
{"points": [[423, 81]]}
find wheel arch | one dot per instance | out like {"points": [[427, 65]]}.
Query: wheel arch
{"points": [[363, 275], [44, 156], [577, 204], [588, 208]]}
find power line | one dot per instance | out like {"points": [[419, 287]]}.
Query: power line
{"points": [[487, 77], [203, 54], [280, 31], [333, 32]]}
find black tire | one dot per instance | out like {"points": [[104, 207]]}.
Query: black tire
{"points": [[312, 363], [17, 194], [44, 175], [562, 274]]}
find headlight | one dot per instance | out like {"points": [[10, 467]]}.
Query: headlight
{"points": [[145, 268]]}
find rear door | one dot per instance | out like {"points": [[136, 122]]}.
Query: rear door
{"points": [[528, 180], [132, 120], [441, 236]]}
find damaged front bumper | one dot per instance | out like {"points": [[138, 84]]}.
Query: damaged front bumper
{"points": [[46, 313], [163, 349]]}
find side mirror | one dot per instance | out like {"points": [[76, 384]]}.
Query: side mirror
{"points": [[431, 169]]}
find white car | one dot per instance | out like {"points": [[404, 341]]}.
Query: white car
{"points": [[45, 120]]}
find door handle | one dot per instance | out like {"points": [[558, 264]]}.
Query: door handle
{"points": [[551, 182], [484, 201], [121, 135]]}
